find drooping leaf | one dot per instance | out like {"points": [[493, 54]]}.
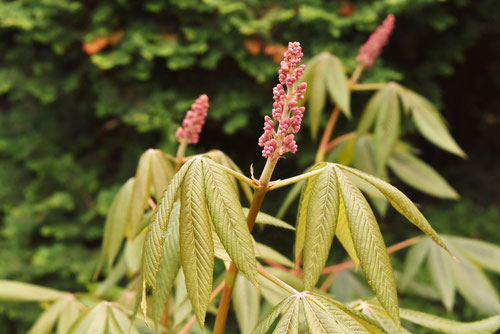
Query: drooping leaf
{"points": [[268, 253], [414, 260], [369, 244], [429, 122], [485, 326], [321, 221], [265, 219], [140, 193], [153, 244], [94, 320], [169, 265], [114, 228], [196, 244], [420, 175], [161, 170], [267, 322], [400, 202], [228, 219], [337, 84], [386, 127], [246, 304], [133, 252], [18, 291], [369, 113], [289, 322], [440, 267], [305, 197]]}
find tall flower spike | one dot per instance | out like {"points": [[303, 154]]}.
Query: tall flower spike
{"points": [[378, 39], [285, 110], [194, 120]]}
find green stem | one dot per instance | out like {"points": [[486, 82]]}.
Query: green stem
{"points": [[232, 272], [276, 280], [239, 176], [295, 179], [181, 151]]}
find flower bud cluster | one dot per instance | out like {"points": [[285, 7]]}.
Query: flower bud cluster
{"points": [[285, 107], [378, 39], [194, 120]]}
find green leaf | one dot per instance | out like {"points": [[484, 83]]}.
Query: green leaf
{"points": [[321, 221], [155, 239], [375, 311], [319, 320], [420, 175], [400, 202], [290, 198], [17, 291], [316, 94], [46, 322], [369, 113], [265, 219], [267, 322], [71, 312], [414, 260], [337, 84], [355, 321], [289, 322], [268, 253], [486, 326], [94, 320], [196, 244], [119, 322], [114, 228], [246, 304], [343, 233], [169, 265], [140, 194], [161, 170], [474, 285], [482, 253], [369, 245], [347, 286], [386, 127], [228, 219], [305, 196], [429, 122], [440, 268], [133, 253]]}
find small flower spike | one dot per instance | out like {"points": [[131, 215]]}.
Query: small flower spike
{"points": [[194, 120], [378, 39], [285, 110]]}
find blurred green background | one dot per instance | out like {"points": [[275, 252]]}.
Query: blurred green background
{"points": [[87, 86]]}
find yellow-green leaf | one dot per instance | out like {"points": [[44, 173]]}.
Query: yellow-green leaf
{"points": [[337, 84], [24, 292], [343, 233], [162, 172], [267, 322], [369, 244], [289, 322], [196, 244], [47, 321], [228, 219], [440, 267], [265, 219], [317, 94], [321, 221], [246, 304], [414, 259]]}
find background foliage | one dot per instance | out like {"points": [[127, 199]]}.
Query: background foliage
{"points": [[87, 86]]}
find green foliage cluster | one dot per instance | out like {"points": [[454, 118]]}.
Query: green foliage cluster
{"points": [[79, 80]]}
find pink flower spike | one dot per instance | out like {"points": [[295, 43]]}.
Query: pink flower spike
{"points": [[285, 106], [193, 121], [378, 39]]}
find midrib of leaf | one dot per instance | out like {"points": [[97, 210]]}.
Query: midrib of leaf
{"points": [[369, 245], [196, 244], [321, 221], [229, 220], [343, 233], [289, 322], [264, 325]]}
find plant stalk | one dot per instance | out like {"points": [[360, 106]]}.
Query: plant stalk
{"points": [[276, 280]]}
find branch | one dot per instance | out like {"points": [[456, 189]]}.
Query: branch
{"points": [[285, 182]]}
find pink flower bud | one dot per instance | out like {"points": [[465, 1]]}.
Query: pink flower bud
{"points": [[378, 39], [193, 121]]}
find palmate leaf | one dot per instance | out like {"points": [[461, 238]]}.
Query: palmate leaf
{"points": [[400, 202], [71, 312], [320, 224], [246, 304], [196, 244], [267, 322], [47, 321], [485, 326], [114, 228], [169, 265], [228, 219], [292, 195], [153, 244], [372, 309], [420, 175], [429, 121], [153, 170], [414, 260], [369, 244], [482, 253], [289, 322]]}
